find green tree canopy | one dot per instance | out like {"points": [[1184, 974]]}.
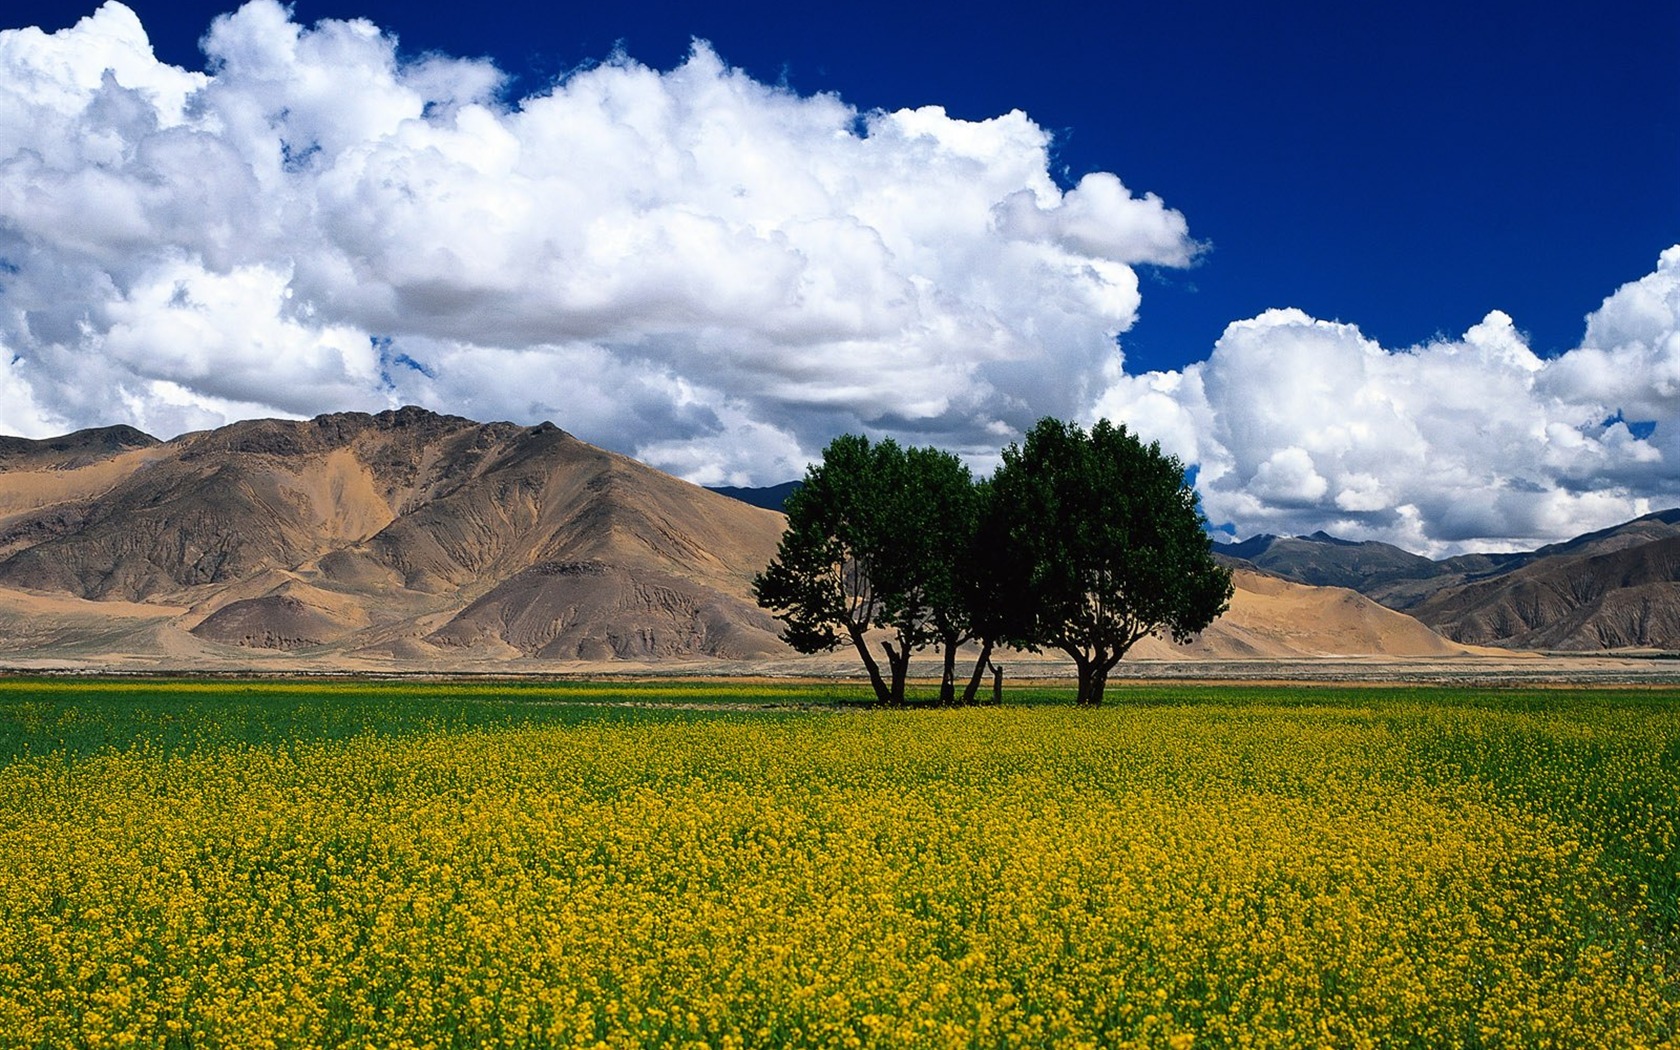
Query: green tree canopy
{"points": [[1105, 545], [876, 539]]}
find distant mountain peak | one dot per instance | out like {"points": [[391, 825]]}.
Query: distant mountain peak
{"points": [[1324, 537], [770, 497], [1247, 549], [71, 450]]}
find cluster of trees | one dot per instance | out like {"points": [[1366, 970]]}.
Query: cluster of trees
{"points": [[1084, 542]]}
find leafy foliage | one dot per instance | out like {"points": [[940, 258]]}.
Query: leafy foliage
{"points": [[878, 538], [1081, 542], [1107, 545]]}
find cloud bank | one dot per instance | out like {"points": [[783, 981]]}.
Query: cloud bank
{"points": [[710, 272], [1472, 443], [718, 275]]}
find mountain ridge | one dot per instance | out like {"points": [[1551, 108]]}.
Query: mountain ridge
{"points": [[1612, 588], [411, 540], [289, 536]]}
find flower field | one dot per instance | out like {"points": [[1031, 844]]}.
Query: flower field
{"points": [[216, 865]]}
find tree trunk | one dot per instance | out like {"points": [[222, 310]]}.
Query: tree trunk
{"points": [[1083, 664], [980, 666], [948, 678], [874, 669], [898, 660], [1099, 681], [1100, 671], [1093, 672]]}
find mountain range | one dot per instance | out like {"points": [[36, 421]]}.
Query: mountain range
{"points": [[1615, 588], [413, 541]]}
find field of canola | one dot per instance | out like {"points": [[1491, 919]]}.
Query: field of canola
{"points": [[218, 865]]}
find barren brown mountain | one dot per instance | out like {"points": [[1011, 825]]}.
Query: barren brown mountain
{"points": [[1615, 588], [409, 540], [1603, 596], [407, 534]]}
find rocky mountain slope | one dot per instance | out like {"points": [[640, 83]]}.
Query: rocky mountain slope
{"points": [[1614, 588], [407, 534], [409, 540], [1591, 599]]}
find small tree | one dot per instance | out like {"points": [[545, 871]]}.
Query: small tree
{"points": [[879, 538], [1106, 545], [838, 571]]}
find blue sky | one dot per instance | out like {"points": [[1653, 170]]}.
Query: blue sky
{"points": [[1386, 176]]}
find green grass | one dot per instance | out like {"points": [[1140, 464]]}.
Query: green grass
{"points": [[79, 716], [73, 717]]}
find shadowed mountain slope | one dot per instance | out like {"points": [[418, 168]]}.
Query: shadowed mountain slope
{"points": [[1608, 589], [1591, 596], [770, 497]]}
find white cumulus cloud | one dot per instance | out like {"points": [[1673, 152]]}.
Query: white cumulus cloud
{"points": [[715, 273], [1298, 424]]}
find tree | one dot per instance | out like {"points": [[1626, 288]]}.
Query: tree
{"points": [[940, 517], [1105, 544], [866, 548]]}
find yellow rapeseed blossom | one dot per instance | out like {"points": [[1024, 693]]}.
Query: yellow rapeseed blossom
{"points": [[1165, 877]]}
